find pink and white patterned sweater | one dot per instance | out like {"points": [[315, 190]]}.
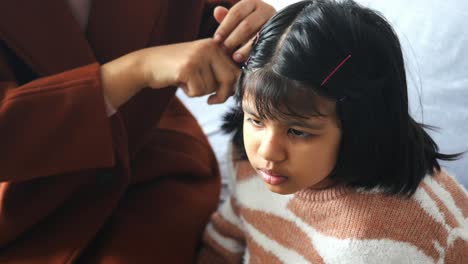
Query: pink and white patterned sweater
{"points": [[338, 225]]}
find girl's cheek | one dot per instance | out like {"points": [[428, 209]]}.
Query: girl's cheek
{"points": [[252, 138], [248, 136]]}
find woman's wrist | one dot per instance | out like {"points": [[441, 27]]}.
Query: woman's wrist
{"points": [[121, 79]]}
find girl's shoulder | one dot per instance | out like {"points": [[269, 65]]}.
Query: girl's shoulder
{"points": [[443, 197], [446, 187], [436, 193], [439, 201], [435, 218], [437, 211]]}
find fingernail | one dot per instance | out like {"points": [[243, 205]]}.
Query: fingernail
{"points": [[238, 57], [217, 37]]}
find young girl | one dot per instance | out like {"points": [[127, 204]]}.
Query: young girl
{"points": [[338, 171]]}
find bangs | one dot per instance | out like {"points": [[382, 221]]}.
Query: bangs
{"points": [[276, 97]]}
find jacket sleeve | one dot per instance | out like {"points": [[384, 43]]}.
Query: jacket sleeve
{"points": [[53, 125], [223, 241]]}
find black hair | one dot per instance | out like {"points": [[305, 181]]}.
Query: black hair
{"points": [[294, 53]]}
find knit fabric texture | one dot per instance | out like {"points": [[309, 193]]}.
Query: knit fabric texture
{"points": [[338, 225]]}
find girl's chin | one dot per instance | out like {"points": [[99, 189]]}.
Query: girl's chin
{"points": [[281, 189]]}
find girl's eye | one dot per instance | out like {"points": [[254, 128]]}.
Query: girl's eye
{"points": [[254, 122], [298, 133]]}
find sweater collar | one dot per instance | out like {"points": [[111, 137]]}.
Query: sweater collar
{"points": [[328, 194]]}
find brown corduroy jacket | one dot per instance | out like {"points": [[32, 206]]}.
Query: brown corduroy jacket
{"points": [[75, 185]]}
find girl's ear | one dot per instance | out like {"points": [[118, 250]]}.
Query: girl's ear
{"points": [[233, 122]]}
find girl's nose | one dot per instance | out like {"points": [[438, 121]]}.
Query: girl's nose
{"points": [[271, 147]]}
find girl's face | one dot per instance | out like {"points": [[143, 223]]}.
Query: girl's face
{"points": [[292, 154]]}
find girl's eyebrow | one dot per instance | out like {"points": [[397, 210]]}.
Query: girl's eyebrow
{"points": [[305, 124]]}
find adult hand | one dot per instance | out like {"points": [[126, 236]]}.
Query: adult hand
{"points": [[199, 67], [239, 25]]}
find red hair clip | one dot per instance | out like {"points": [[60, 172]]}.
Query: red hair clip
{"points": [[335, 70], [257, 36]]}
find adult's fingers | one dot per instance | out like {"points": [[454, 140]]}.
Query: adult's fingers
{"points": [[194, 85], [244, 31], [241, 54], [235, 15], [209, 79], [226, 73], [219, 13]]}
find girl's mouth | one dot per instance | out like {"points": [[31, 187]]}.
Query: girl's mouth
{"points": [[272, 178]]}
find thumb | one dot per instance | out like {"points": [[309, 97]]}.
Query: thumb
{"points": [[219, 13]]}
